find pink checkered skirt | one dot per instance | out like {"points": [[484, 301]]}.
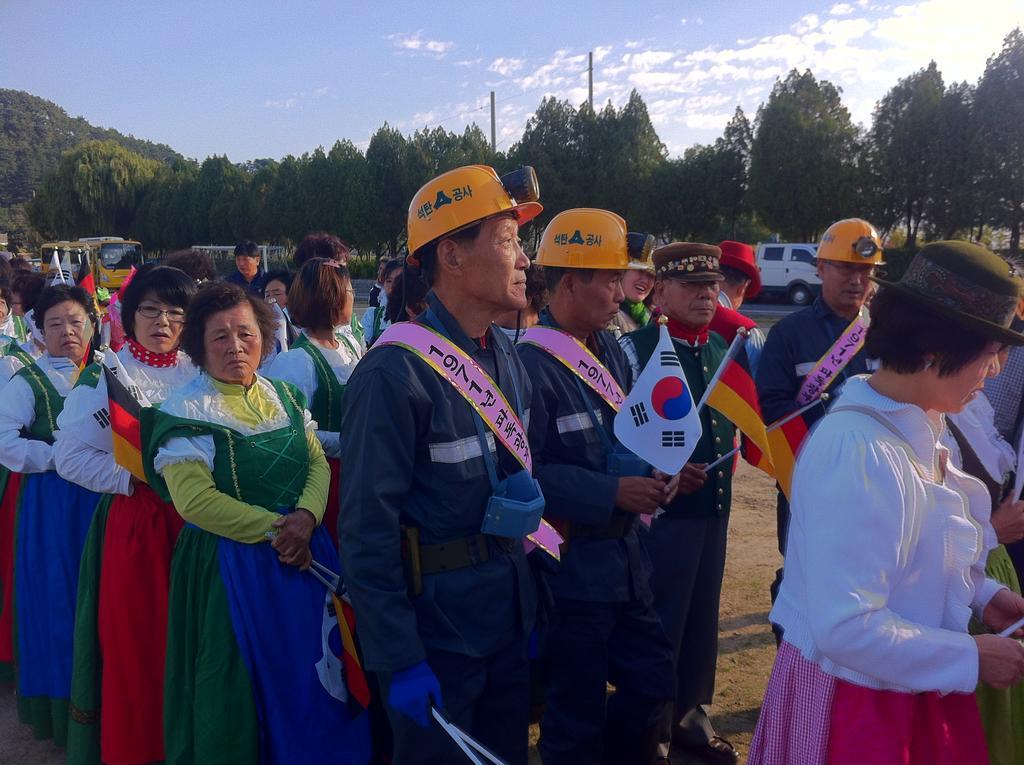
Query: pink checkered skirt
{"points": [[811, 718]]}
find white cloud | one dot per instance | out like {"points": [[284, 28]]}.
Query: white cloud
{"points": [[506, 66], [807, 24], [424, 118], [712, 121], [469, 62], [416, 44], [937, 29], [691, 92], [647, 60], [283, 103]]}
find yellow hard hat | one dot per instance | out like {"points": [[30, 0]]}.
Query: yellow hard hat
{"points": [[852, 240], [467, 195], [589, 238]]}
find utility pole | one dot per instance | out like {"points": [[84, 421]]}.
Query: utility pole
{"points": [[590, 79], [492, 123]]}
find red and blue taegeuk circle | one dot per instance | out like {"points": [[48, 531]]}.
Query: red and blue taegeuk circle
{"points": [[671, 399]]}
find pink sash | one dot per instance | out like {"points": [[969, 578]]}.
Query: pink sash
{"points": [[579, 360], [483, 394], [838, 356], [466, 376]]}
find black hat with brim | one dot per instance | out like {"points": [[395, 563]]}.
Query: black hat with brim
{"points": [[966, 283]]}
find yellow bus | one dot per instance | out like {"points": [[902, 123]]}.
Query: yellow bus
{"points": [[112, 258], [69, 255]]}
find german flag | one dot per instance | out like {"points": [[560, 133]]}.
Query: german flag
{"points": [[785, 439], [85, 278], [755, 456], [355, 677], [734, 394], [126, 430]]}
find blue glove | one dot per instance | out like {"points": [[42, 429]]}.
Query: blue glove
{"points": [[413, 690]]}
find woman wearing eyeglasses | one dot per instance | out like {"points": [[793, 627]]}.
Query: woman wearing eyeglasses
{"points": [[121, 612]]}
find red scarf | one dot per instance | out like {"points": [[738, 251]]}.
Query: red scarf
{"points": [[694, 337], [151, 359]]}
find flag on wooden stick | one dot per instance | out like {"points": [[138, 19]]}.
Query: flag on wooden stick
{"points": [[733, 393]]}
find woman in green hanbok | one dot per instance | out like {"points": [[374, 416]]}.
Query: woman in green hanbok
{"points": [[253, 667]]}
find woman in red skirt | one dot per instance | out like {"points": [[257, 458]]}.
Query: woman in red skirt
{"points": [[885, 561], [121, 613]]}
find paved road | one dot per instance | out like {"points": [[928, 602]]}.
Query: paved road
{"points": [[17, 747]]}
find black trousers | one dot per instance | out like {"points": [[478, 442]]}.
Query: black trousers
{"points": [[488, 698], [589, 645], [688, 555]]}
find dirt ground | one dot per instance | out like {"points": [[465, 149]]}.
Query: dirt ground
{"points": [[746, 648]]}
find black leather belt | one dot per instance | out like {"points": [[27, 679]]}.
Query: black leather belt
{"points": [[455, 554]]}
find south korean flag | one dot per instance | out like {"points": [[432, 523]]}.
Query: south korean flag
{"points": [[659, 421]]}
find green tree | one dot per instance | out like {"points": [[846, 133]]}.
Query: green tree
{"points": [[954, 203], [95, 189], [803, 157], [390, 190], [902, 149], [549, 144], [732, 176], [1000, 115]]}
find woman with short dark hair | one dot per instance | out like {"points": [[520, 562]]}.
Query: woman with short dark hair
{"points": [[120, 623], [251, 676], [885, 560], [320, 362], [48, 547]]}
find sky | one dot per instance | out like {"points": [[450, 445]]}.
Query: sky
{"points": [[267, 79]]}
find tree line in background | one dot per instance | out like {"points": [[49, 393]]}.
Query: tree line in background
{"points": [[937, 161]]}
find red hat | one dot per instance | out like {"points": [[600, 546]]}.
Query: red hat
{"points": [[741, 257]]}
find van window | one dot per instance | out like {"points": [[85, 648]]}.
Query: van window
{"points": [[772, 253], [802, 254]]}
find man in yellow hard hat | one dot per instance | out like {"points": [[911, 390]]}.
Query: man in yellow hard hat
{"points": [[796, 364], [437, 493], [603, 626]]}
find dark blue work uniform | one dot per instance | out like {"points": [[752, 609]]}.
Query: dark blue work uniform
{"points": [[256, 286], [603, 627], [413, 463]]}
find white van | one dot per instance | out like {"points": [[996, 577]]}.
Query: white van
{"points": [[788, 271]]}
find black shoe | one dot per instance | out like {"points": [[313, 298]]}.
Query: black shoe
{"points": [[717, 751]]}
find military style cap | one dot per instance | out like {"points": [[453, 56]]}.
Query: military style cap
{"points": [[688, 262]]}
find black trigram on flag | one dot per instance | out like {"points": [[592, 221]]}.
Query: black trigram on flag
{"points": [[673, 438], [639, 412], [101, 416], [669, 359]]}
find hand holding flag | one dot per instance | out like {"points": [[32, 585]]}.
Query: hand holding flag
{"points": [[732, 392], [659, 421]]}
